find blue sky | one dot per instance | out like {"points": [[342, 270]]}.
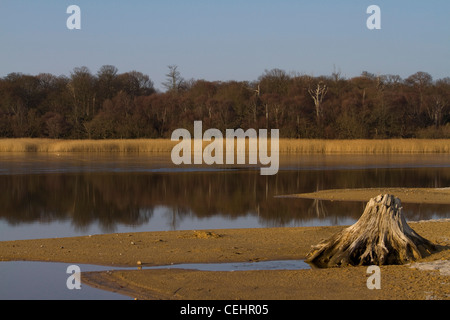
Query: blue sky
{"points": [[226, 40]]}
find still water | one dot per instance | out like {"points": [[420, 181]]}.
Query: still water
{"points": [[31, 280], [51, 195]]}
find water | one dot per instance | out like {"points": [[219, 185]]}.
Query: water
{"points": [[47, 196], [26, 280]]}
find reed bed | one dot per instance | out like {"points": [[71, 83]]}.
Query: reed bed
{"points": [[287, 146], [388, 146], [61, 146]]}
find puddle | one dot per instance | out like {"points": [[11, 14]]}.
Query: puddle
{"points": [[26, 280], [240, 266], [29, 280], [442, 266]]}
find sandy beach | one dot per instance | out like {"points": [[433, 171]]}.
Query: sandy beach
{"points": [[410, 281]]}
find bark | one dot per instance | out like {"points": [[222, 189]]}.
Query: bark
{"points": [[380, 237]]}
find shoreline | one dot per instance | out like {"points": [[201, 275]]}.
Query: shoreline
{"points": [[407, 195], [234, 245]]}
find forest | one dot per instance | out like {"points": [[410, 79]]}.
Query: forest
{"points": [[113, 105]]}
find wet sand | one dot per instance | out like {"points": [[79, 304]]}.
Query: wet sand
{"points": [[407, 195], [235, 245]]}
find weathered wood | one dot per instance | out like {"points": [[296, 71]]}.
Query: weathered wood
{"points": [[381, 236]]}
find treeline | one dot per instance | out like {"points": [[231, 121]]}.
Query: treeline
{"points": [[127, 105]]}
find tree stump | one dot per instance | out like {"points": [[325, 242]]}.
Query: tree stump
{"points": [[380, 237]]}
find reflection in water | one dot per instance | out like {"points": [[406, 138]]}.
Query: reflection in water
{"points": [[111, 199]]}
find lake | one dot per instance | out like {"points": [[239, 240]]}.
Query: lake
{"points": [[61, 195]]}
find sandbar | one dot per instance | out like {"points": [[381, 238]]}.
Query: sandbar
{"points": [[407, 195]]}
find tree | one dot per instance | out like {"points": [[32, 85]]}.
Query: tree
{"points": [[115, 119], [438, 103], [107, 83], [56, 95], [274, 81], [55, 126], [174, 80], [20, 96], [420, 81], [136, 84], [318, 94], [82, 89]]}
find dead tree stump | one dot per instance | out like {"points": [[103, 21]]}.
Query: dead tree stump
{"points": [[380, 237]]}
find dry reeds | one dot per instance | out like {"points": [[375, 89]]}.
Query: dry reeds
{"points": [[287, 146], [60, 146], [388, 146]]}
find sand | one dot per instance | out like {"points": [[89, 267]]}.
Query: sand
{"points": [[418, 281], [407, 195]]}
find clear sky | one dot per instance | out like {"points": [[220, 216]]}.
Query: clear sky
{"points": [[226, 39]]}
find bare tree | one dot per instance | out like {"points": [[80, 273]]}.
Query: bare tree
{"points": [[136, 83], [420, 81], [255, 99], [318, 94], [82, 90], [436, 110], [106, 82], [174, 80]]}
